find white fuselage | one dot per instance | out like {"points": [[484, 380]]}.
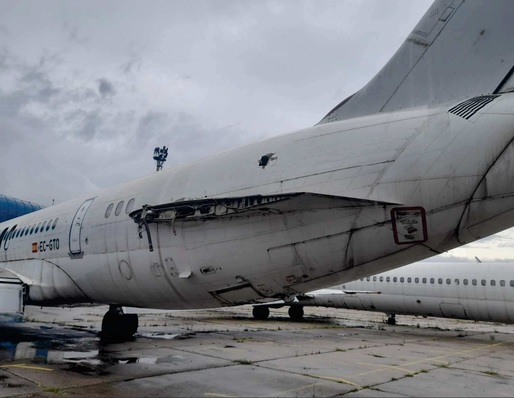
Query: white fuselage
{"points": [[458, 171], [480, 292]]}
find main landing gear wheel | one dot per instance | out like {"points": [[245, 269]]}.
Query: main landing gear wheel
{"points": [[296, 312], [117, 326], [391, 319], [260, 312]]}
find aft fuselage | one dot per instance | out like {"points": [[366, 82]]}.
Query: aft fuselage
{"points": [[439, 180]]}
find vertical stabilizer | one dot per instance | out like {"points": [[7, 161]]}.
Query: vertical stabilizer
{"points": [[459, 49]]}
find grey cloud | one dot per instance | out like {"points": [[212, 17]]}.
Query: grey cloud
{"points": [[105, 88]]}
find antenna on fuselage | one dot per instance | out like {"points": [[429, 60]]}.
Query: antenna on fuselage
{"points": [[160, 155]]}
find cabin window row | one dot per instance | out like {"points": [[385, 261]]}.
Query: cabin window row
{"points": [[441, 281], [119, 208], [29, 230]]}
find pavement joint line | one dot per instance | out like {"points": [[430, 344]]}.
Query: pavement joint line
{"points": [[213, 394], [437, 358], [283, 393], [336, 379], [23, 366], [395, 367]]}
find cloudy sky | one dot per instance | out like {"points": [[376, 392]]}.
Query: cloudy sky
{"points": [[88, 88]]}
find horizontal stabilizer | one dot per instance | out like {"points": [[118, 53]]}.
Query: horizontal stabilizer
{"points": [[214, 208]]}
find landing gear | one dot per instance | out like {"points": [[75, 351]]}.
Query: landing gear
{"points": [[391, 319], [117, 326], [260, 312], [296, 312]]}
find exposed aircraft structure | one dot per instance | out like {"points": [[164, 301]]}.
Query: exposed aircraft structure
{"points": [[473, 291], [365, 191]]}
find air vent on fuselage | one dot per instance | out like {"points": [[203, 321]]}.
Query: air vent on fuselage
{"points": [[471, 106]]}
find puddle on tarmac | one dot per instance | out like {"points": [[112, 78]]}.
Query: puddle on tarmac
{"points": [[83, 354]]}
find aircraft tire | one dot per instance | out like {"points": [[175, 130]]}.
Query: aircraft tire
{"points": [[117, 326], [296, 312], [260, 312]]}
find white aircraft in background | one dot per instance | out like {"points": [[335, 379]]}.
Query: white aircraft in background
{"points": [[473, 291], [419, 161]]}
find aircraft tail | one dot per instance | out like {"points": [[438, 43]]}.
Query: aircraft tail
{"points": [[459, 49], [12, 207]]}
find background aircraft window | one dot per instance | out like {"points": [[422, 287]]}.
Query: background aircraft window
{"points": [[55, 223], [474, 282], [402, 279], [388, 279], [416, 280], [493, 282], [119, 206], [465, 281], [440, 281], [432, 281], [502, 283], [448, 281], [457, 281], [483, 282], [43, 227], [395, 279], [381, 279], [49, 223], [130, 205], [108, 210], [409, 279]]}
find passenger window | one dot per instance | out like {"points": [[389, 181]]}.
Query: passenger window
{"points": [[395, 279], [457, 281], [440, 281], [374, 279], [381, 279], [416, 280], [130, 205], [474, 282], [409, 279], [432, 281], [388, 279], [109, 210], [493, 282], [465, 282], [502, 283], [32, 228], [48, 226], [27, 230], [424, 280], [55, 223], [368, 278], [37, 228], [402, 279], [448, 281], [483, 282], [43, 227], [119, 206], [511, 283]]}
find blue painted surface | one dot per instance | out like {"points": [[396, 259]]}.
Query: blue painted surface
{"points": [[12, 207]]}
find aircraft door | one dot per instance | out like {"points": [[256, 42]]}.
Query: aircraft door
{"points": [[76, 228]]}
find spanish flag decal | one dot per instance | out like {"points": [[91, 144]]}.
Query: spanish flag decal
{"points": [[34, 247]]}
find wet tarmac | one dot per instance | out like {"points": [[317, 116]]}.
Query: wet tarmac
{"points": [[55, 352]]}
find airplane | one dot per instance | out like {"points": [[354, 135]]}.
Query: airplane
{"points": [[464, 290], [13, 207], [417, 162]]}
